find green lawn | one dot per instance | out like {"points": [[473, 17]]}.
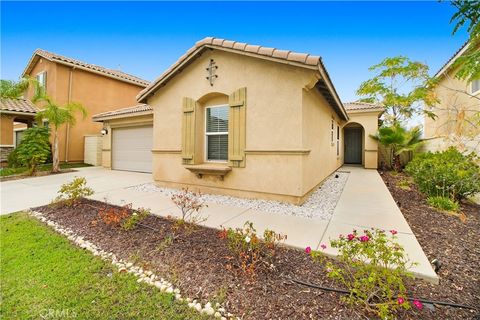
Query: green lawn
{"points": [[42, 272], [4, 172]]}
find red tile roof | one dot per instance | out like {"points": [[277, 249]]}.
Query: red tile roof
{"points": [[116, 74], [286, 56], [357, 105], [17, 105], [452, 59], [123, 111]]}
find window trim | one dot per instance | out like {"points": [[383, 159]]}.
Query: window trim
{"points": [[205, 134], [471, 88], [338, 140], [44, 72]]}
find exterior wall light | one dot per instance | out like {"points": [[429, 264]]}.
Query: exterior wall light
{"points": [[104, 131]]}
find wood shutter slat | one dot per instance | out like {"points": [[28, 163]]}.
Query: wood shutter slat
{"points": [[188, 130], [237, 128]]}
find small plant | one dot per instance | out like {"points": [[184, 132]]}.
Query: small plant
{"points": [[70, 193], [443, 203], [373, 267], [136, 217], [248, 250], [165, 243], [114, 216], [190, 205], [404, 184]]}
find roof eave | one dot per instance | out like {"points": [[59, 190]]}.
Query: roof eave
{"points": [[100, 118], [33, 60]]}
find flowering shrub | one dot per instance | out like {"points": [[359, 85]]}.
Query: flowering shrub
{"points": [[70, 193], [249, 251], [373, 267], [190, 205], [137, 216], [114, 216], [447, 174]]}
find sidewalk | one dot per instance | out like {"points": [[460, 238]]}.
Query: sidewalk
{"points": [[365, 203]]}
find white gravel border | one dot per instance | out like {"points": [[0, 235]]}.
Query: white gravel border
{"points": [[217, 310], [319, 205]]}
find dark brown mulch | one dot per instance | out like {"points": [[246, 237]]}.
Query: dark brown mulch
{"points": [[446, 238], [196, 261], [37, 174]]}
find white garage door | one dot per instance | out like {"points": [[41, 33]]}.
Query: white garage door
{"points": [[132, 149]]}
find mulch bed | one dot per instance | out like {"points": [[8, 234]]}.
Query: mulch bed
{"points": [[448, 239], [196, 264]]}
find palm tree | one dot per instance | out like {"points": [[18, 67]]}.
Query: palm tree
{"points": [[57, 116], [16, 89], [399, 140]]}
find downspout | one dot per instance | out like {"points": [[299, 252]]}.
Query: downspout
{"points": [[69, 99]]}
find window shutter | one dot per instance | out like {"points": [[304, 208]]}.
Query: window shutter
{"points": [[237, 127], [188, 130]]}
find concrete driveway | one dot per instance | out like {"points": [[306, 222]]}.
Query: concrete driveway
{"points": [[22, 194]]}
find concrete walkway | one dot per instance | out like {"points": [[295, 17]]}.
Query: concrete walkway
{"points": [[364, 203]]}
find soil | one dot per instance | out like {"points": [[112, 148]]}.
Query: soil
{"points": [[455, 243], [37, 174], [196, 262]]}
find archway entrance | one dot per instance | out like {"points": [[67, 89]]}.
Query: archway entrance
{"points": [[353, 143]]}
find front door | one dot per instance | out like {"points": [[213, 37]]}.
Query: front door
{"points": [[353, 145]]}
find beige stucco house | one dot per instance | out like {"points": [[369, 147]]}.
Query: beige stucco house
{"points": [[458, 111], [67, 80], [242, 120]]}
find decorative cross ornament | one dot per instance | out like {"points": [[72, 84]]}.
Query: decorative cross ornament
{"points": [[211, 71]]}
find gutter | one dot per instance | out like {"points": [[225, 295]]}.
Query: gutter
{"points": [[69, 100]]}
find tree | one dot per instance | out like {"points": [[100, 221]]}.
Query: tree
{"points": [[57, 116], [402, 87], [34, 149], [16, 89], [468, 15], [398, 140]]}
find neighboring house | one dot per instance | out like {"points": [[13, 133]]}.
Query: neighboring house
{"points": [[98, 89], [458, 111], [242, 120], [16, 115]]}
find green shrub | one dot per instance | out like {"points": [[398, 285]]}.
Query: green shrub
{"points": [[70, 193], [34, 149], [136, 217], [373, 267], [447, 174], [443, 203]]}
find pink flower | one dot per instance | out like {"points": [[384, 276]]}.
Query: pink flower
{"points": [[323, 246], [400, 300], [350, 237], [308, 250], [418, 304], [394, 232], [364, 238]]}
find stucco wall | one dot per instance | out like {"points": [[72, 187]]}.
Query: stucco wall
{"points": [[369, 122], [274, 121], [95, 92], [317, 120], [6, 130], [454, 105]]}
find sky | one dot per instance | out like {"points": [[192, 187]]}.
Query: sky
{"points": [[145, 38]]}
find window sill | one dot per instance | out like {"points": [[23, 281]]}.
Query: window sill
{"points": [[219, 170]]}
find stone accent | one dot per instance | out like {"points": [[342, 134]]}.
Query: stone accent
{"points": [[4, 152]]}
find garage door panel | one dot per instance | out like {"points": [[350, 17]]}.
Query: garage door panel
{"points": [[131, 148]]}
